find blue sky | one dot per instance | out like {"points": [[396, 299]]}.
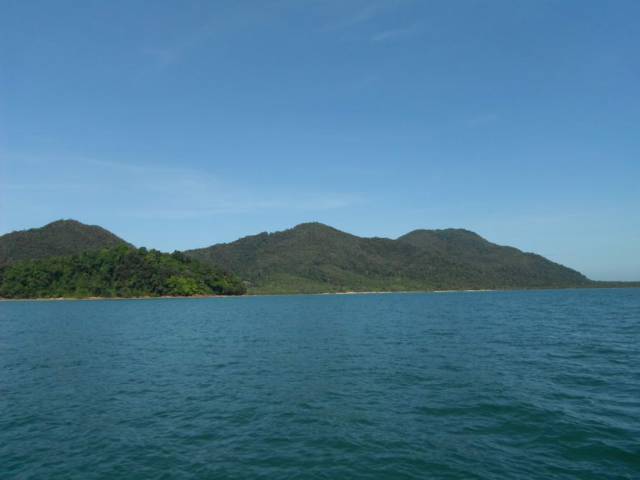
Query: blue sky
{"points": [[182, 124]]}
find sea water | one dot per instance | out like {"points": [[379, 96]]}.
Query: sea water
{"points": [[485, 385]]}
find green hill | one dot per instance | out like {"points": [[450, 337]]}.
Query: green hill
{"points": [[120, 271], [63, 237], [317, 258]]}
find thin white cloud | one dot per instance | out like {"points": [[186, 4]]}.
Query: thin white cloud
{"points": [[164, 53], [217, 22], [225, 206], [163, 57], [140, 168], [168, 52], [159, 191], [344, 15], [42, 186], [482, 119], [358, 17], [395, 34]]}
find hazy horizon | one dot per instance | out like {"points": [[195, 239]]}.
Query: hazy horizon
{"points": [[182, 125]]}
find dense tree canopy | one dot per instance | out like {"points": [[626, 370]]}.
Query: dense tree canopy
{"points": [[115, 272]]}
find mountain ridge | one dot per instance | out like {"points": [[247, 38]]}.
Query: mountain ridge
{"points": [[313, 257]]}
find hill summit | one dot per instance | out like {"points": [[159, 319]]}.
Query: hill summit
{"points": [[67, 258], [62, 237]]}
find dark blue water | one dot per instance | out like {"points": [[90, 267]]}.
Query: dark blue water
{"points": [[485, 385]]}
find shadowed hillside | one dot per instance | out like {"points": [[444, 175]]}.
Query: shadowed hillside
{"points": [[63, 237], [313, 257]]}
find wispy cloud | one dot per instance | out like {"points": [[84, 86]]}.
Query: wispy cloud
{"points": [[39, 187], [143, 169], [482, 119], [169, 53], [163, 56], [357, 17], [224, 206], [157, 191], [214, 24], [345, 15], [395, 34]]}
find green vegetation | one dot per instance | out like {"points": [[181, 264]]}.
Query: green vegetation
{"points": [[63, 237], [314, 258], [121, 271], [69, 259]]}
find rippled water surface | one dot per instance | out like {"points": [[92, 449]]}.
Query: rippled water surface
{"points": [[484, 385]]}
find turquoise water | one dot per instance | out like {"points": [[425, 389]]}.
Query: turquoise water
{"points": [[489, 385]]}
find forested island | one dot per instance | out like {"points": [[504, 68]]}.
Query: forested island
{"points": [[67, 258]]}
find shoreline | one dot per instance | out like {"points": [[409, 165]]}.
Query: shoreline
{"points": [[178, 297]]}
